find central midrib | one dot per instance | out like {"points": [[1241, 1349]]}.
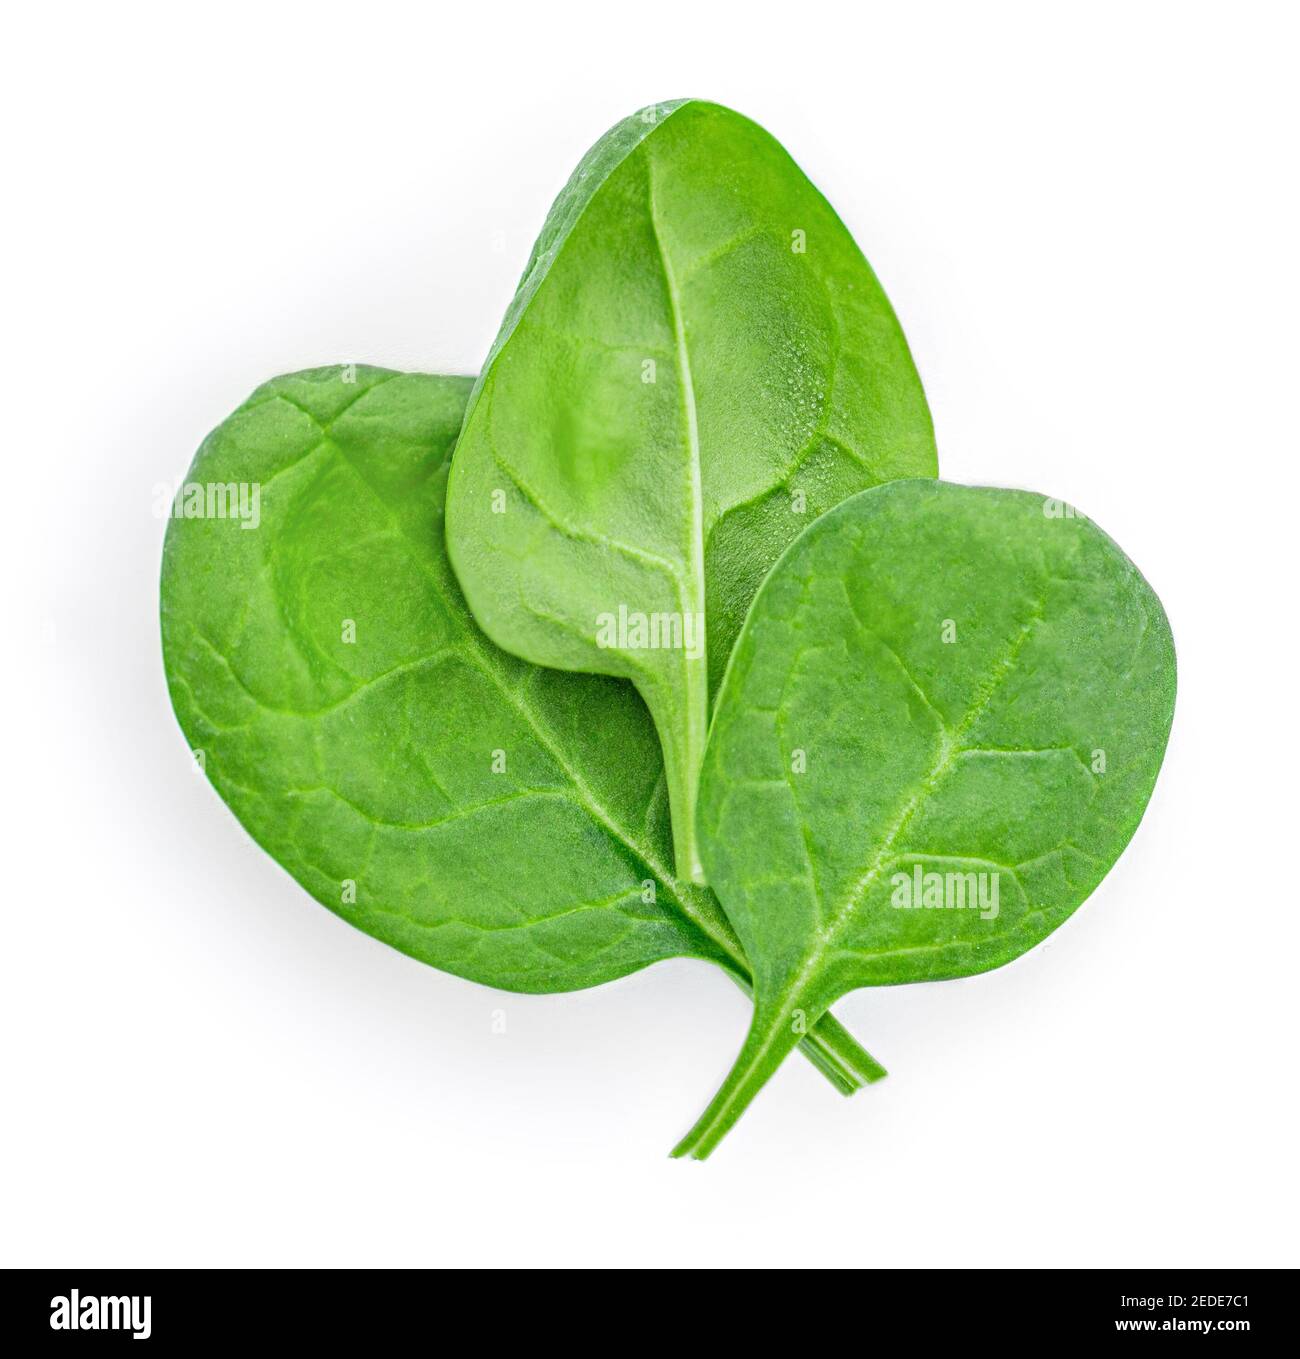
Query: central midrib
{"points": [[950, 746], [694, 669], [692, 584]]}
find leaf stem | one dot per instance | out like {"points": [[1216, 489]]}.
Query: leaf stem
{"points": [[831, 1048], [834, 1051], [683, 754], [772, 1037]]}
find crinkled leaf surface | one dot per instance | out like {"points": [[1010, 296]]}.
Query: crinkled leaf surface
{"points": [[954, 689], [493, 819], [698, 362]]}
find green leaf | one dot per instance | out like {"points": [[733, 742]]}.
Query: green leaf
{"points": [[495, 820], [697, 363], [935, 680]]}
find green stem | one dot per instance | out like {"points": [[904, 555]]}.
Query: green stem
{"points": [[832, 1049], [772, 1037], [828, 1045], [683, 749]]}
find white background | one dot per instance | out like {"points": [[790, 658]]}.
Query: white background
{"points": [[1086, 217]]}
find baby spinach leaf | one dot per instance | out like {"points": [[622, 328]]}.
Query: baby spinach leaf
{"points": [[697, 363], [492, 819], [939, 729]]}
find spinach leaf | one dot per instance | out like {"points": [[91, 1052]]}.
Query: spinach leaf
{"points": [[495, 820], [697, 363], [939, 729]]}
